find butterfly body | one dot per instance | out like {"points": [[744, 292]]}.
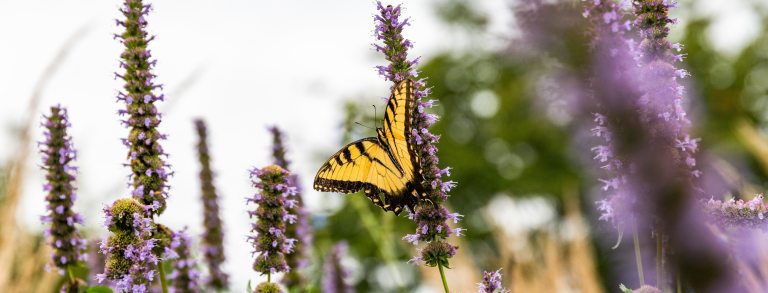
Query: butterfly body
{"points": [[385, 167]]}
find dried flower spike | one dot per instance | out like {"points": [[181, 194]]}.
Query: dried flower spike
{"points": [[213, 234], [58, 154], [145, 155], [269, 239]]}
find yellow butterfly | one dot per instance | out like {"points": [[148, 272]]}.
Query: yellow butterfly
{"points": [[386, 167]]}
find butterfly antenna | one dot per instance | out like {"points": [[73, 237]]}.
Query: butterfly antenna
{"points": [[366, 126], [375, 116]]}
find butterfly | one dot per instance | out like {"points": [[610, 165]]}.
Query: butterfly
{"points": [[386, 167]]}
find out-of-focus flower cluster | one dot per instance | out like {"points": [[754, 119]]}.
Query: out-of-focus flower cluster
{"points": [[274, 195], [185, 276], [491, 283], [58, 154], [213, 234], [300, 229], [334, 273]]}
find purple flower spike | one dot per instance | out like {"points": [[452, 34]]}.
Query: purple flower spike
{"points": [[268, 239], [146, 156], [185, 275], [131, 258], [334, 273], [299, 228], [58, 154], [213, 234], [491, 283], [430, 216]]}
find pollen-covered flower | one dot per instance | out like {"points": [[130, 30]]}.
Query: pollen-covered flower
{"points": [[299, 229], [430, 216], [185, 275], [270, 243], [334, 273], [145, 156], [131, 262], [58, 154], [213, 234], [491, 283]]}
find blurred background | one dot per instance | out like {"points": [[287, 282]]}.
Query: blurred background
{"points": [[525, 185]]}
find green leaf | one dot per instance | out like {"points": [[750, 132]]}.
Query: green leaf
{"points": [[98, 289]]}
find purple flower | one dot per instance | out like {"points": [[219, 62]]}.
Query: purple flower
{"points": [[131, 257], [58, 154], [213, 234], [297, 226], [738, 213], [334, 274], [268, 238], [491, 283], [430, 216], [185, 275], [146, 155]]}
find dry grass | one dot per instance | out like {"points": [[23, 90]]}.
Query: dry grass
{"points": [[558, 258]]}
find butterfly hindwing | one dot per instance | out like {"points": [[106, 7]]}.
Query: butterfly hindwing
{"points": [[386, 167]]}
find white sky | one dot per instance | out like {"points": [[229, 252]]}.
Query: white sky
{"points": [[289, 63]]}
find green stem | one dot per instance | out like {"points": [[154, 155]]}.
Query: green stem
{"points": [[638, 257], [163, 281], [269, 277], [679, 285], [442, 276], [71, 275]]}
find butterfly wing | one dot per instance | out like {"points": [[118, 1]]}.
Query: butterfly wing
{"points": [[387, 165], [365, 165], [399, 120]]}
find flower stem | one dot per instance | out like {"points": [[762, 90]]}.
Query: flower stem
{"points": [[442, 276], [163, 281], [71, 275], [269, 277], [638, 257]]}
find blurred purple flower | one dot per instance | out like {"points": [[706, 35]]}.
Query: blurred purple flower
{"points": [[299, 228], [738, 213], [491, 283], [334, 273], [185, 276], [213, 234], [58, 154]]}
